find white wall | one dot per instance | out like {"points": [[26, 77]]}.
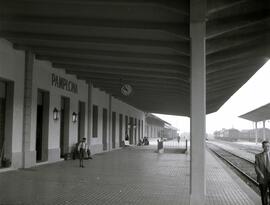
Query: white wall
{"points": [[43, 80], [12, 63], [122, 108], [102, 100], [12, 68]]}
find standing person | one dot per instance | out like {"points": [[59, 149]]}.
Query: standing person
{"points": [[262, 168], [81, 149]]}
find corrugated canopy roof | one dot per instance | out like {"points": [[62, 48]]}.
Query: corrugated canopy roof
{"points": [[143, 43], [153, 119], [260, 114]]}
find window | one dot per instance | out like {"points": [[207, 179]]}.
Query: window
{"points": [[95, 121]]}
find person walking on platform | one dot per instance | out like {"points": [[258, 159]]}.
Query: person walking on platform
{"points": [[262, 168], [81, 149]]}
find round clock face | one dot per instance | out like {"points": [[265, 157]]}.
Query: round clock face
{"points": [[126, 89]]}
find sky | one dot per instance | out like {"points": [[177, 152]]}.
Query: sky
{"points": [[253, 94]]}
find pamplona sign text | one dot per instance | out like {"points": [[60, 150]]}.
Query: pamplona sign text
{"points": [[64, 84]]}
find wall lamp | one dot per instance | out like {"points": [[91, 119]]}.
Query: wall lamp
{"points": [[55, 114], [74, 117]]}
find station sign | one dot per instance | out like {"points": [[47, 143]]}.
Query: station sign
{"points": [[62, 83]]}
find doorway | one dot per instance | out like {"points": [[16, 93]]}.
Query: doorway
{"points": [[6, 121], [135, 130], [64, 126], [120, 130], [3, 91], [104, 128], [139, 130], [113, 129], [131, 130], [126, 129], [42, 123], [81, 121]]}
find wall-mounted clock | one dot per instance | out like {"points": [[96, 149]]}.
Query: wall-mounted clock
{"points": [[126, 89]]}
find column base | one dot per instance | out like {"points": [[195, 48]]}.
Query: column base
{"points": [[29, 159], [17, 160], [197, 199]]}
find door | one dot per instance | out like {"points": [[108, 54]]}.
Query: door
{"points": [[64, 126], [39, 127], [2, 117], [126, 129], [135, 131], [81, 121], [104, 128], [131, 130], [42, 125], [120, 130], [113, 129]]}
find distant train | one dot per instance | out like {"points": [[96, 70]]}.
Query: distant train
{"points": [[227, 134], [243, 135]]}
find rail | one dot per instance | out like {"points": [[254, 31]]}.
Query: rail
{"points": [[240, 171]]}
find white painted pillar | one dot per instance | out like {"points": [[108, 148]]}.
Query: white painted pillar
{"points": [[256, 133], [89, 120], [264, 137], [29, 157], [198, 110]]}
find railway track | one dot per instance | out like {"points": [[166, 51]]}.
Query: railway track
{"points": [[243, 167]]}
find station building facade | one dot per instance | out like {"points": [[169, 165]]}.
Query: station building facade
{"points": [[44, 112], [158, 128]]}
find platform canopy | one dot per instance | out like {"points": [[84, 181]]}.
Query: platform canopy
{"points": [[260, 114], [143, 43], [153, 119]]}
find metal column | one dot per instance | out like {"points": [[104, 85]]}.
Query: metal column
{"points": [[256, 133], [264, 137]]}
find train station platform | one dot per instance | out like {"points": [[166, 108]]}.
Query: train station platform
{"points": [[133, 175]]}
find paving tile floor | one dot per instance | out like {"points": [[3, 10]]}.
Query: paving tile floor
{"points": [[127, 176], [222, 188]]}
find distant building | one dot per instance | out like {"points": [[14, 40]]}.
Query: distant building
{"points": [[158, 128], [245, 135], [249, 135]]}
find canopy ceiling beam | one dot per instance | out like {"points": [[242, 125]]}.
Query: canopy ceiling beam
{"points": [[180, 7], [250, 51], [179, 29], [129, 66], [219, 44], [88, 75], [100, 54], [214, 6], [220, 27], [50, 39], [232, 64]]}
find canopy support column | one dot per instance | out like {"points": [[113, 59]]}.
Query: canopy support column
{"points": [[198, 103], [264, 137], [256, 132]]}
